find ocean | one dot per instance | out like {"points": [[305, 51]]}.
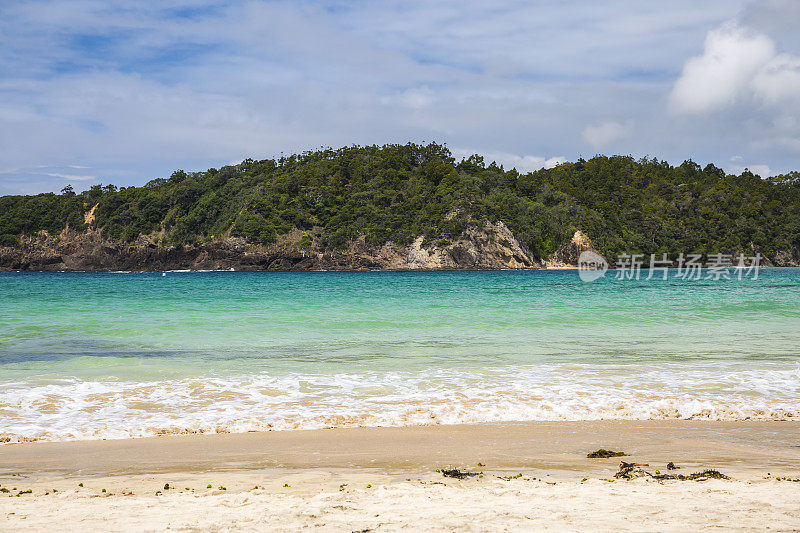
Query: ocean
{"points": [[120, 355]]}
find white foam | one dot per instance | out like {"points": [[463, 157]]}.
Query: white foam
{"points": [[67, 409]]}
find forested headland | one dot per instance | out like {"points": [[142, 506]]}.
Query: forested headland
{"points": [[322, 202]]}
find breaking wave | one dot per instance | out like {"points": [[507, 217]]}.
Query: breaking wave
{"points": [[69, 409]]}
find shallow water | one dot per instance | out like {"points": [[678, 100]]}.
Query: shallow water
{"points": [[123, 354]]}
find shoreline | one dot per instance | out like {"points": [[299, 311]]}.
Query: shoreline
{"points": [[349, 270], [202, 270], [741, 446], [534, 475]]}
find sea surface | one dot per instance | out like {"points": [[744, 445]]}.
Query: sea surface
{"points": [[118, 355]]}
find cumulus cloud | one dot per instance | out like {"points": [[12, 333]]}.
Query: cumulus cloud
{"points": [[743, 89], [738, 65], [778, 82], [731, 58], [737, 166], [603, 135], [523, 163]]}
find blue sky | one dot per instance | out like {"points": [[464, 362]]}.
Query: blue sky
{"points": [[122, 92]]}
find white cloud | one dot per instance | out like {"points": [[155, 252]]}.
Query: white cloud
{"points": [[528, 163], [778, 82], [70, 177], [523, 163], [743, 92], [737, 166], [738, 65], [731, 59], [603, 135]]}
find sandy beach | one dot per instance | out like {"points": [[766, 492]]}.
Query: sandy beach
{"points": [[535, 475]]}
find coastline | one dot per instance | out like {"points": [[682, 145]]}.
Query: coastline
{"points": [[383, 479], [490, 247], [334, 269], [745, 446]]}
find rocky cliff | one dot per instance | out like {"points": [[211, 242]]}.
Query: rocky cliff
{"points": [[787, 258], [567, 255], [491, 246]]}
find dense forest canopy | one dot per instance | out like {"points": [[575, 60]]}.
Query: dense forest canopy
{"points": [[397, 192]]}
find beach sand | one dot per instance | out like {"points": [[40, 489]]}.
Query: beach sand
{"points": [[385, 479]]}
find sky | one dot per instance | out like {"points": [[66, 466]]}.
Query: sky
{"points": [[123, 92]]}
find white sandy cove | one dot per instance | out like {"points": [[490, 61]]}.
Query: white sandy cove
{"points": [[428, 504]]}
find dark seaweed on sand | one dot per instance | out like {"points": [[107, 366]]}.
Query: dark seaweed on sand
{"points": [[602, 453], [458, 474]]}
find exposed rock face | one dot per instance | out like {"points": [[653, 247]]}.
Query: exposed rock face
{"points": [[567, 255], [787, 258], [492, 246]]}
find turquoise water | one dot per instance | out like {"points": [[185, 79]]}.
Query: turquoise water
{"points": [[134, 354]]}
